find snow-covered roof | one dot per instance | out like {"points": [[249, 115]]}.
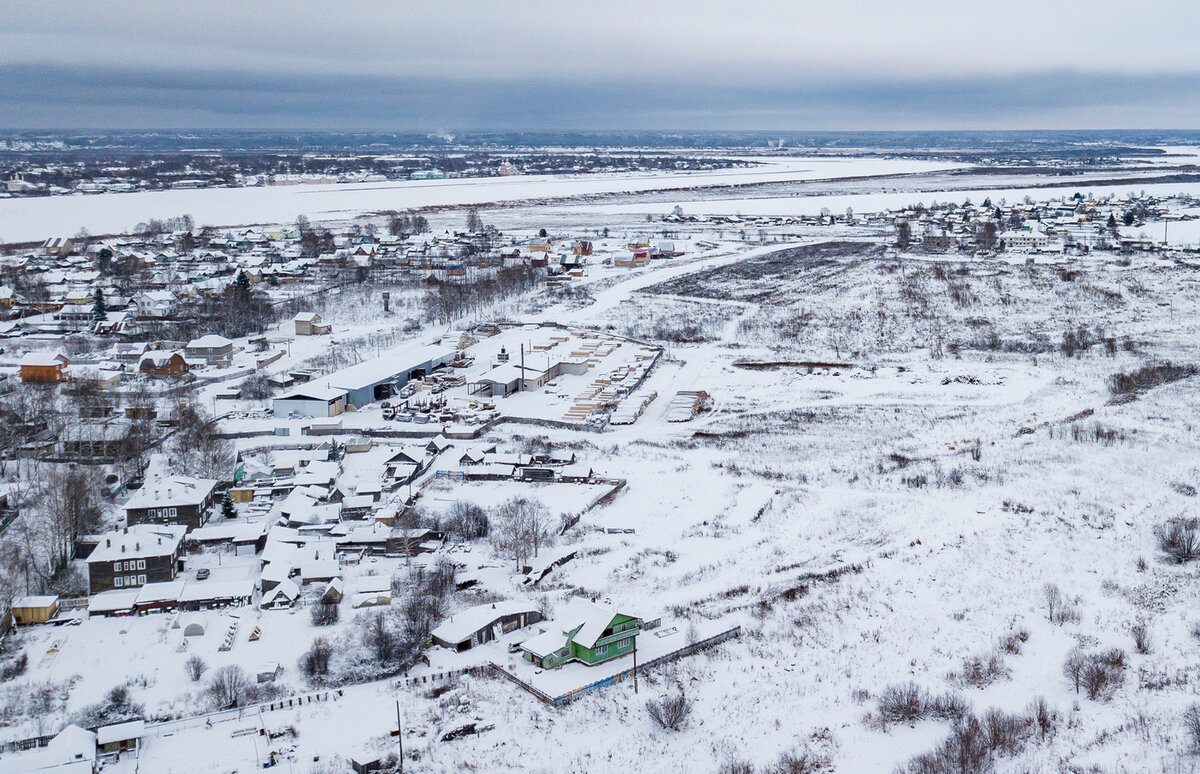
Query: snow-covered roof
{"points": [[369, 584], [211, 341], [202, 590], [43, 359], [314, 392], [545, 643], [590, 617], [112, 601], [35, 601], [138, 542], [121, 732], [167, 591], [287, 590], [171, 491], [464, 623]]}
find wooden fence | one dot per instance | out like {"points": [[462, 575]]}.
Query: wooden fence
{"points": [[570, 696]]}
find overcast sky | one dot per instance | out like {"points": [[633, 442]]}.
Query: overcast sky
{"points": [[752, 64]]}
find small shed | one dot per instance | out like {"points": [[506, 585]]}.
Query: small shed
{"points": [[334, 592], [121, 736], [310, 324], [34, 609]]}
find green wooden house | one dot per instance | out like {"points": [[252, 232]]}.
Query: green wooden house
{"points": [[584, 632]]}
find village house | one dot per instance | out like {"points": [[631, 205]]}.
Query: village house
{"points": [[135, 556], [172, 500], [586, 632], [212, 349], [163, 363], [155, 304], [44, 368]]}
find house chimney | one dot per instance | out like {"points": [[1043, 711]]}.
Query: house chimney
{"points": [[108, 542], [137, 546]]}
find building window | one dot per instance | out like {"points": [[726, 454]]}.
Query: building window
{"points": [[141, 580], [601, 650], [118, 581], [625, 643], [141, 564], [116, 566]]}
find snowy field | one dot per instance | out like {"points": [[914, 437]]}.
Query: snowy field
{"points": [[32, 219], [901, 196]]}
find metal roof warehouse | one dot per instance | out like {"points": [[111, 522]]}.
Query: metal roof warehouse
{"points": [[378, 378]]}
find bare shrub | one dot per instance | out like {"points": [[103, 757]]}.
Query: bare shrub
{"points": [[1045, 718], [1012, 642], [902, 703], [1134, 382], [1179, 540], [1098, 674], [15, 668], [974, 742], [1142, 640], [802, 762], [1191, 726], [671, 712], [1059, 609], [736, 767], [909, 702], [947, 706], [195, 667], [981, 671]]}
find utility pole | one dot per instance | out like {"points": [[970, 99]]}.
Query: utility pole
{"points": [[399, 736], [635, 685]]}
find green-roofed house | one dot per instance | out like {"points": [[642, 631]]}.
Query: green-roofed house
{"points": [[584, 632]]}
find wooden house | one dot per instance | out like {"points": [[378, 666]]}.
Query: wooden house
{"points": [[586, 632], [44, 368], [161, 363]]}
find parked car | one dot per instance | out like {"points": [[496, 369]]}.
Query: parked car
{"points": [[202, 574]]}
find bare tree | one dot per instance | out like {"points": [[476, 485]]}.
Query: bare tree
{"points": [[200, 451], [1073, 668], [467, 521], [519, 528], [228, 686]]}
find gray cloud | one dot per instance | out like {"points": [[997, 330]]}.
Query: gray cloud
{"points": [[613, 65]]}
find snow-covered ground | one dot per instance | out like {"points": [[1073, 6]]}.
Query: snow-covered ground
{"points": [[30, 219], [902, 452]]}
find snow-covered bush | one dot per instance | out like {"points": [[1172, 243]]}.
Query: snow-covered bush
{"points": [[670, 712]]}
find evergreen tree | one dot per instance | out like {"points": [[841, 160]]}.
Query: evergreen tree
{"points": [[104, 260], [227, 508], [99, 308], [241, 287]]}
